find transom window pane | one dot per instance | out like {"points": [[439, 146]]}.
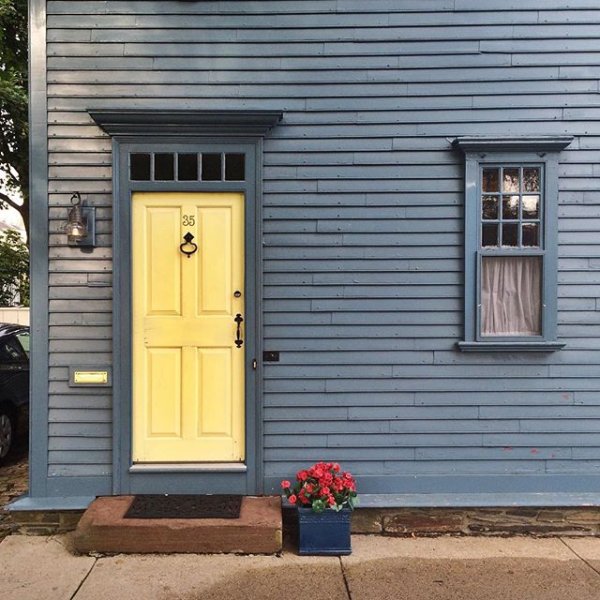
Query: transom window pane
{"points": [[234, 167], [164, 167], [139, 167], [187, 167], [211, 167]]}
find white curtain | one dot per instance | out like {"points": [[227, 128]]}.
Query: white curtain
{"points": [[511, 295]]}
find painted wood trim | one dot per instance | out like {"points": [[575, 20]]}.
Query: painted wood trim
{"points": [[184, 122], [189, 468], [551, 143], [498, 150], [38, 173], [28, 503], [477, 500], [125, 479], [509, 346]]}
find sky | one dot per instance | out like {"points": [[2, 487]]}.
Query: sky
{"points": [[10, 217]]}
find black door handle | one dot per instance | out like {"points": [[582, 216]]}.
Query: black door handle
{"points": [[238, 336]]}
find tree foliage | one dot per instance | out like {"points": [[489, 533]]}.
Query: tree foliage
{"points": [[14, 269], [14, 132]]}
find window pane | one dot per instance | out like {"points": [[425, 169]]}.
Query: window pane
{"points": [[489, 235], [164, 167], [139, 167], [531, 234], [511, 295], [234, 167], [510, 234], [490, 207], [531, 180], [11, 351], [510, 207], [510, 180], [211, 167], [491, 180], [187, 167], [23, 338], [531, 207]]}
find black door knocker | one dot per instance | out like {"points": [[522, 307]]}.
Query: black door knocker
{"points": [[188, 237]]}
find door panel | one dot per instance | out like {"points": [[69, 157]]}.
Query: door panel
{"points": [[188, 374]]}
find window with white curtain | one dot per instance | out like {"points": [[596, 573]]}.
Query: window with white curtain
{"points": [[511, 197]]}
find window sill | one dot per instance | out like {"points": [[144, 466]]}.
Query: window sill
{"points": [[509, 346]]}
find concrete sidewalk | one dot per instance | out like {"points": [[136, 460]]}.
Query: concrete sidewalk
{"points": [[42, 568]]}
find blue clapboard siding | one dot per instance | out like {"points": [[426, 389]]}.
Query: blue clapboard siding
{"points": [[363, 222]]}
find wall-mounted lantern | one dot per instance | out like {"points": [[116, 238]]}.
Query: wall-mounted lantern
{"points": [[81, 223]]}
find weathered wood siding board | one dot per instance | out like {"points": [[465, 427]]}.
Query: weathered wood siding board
{"points": [[363, 209]]}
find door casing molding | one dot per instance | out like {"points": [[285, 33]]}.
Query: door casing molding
{"points": [[127, 480]]}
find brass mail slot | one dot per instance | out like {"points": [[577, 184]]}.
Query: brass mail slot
{"points": [[90, 377], [87, 376]]}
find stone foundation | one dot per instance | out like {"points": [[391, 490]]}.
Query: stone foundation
{"points": [[30, 522], [539, 522]]}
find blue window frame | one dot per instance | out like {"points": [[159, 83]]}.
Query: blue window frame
{"points": [[511, 197]]}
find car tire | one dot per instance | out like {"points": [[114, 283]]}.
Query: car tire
{"points": [[7, 433]]}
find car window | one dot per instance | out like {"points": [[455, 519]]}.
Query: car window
{"points": [[10, 350], [23, 338]]}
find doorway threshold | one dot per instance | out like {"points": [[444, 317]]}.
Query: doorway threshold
{"points": [[188, 468]]}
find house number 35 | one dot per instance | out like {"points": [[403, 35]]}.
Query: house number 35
{"points": [[189, 220]]}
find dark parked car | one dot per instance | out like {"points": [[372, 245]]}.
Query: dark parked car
{"points": [[14, 384]]}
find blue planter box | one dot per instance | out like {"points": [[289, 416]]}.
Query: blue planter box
{"points": [[324, 533]]}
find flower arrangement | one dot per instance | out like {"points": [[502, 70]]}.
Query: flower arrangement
{"points": [[322, 486]]}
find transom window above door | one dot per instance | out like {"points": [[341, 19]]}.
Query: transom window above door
{"points": [[187, 166]]}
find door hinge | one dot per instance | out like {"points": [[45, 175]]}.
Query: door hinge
{"points": [[254, 364]]}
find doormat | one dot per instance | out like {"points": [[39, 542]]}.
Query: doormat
{"points": [[157, 506]]}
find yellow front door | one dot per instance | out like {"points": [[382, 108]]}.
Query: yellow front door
{"points": [[188, 370]]}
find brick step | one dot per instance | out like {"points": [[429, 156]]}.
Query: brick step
{"points": [[104, 529]]}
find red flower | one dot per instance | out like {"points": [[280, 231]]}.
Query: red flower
{"points": [[324, 485], [326, 479]]}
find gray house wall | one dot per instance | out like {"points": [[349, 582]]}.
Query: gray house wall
{"points": [[363, 228]]}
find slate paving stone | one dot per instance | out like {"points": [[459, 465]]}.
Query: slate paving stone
{"points": [[212, 577], [489, 579], [40, 568]]}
